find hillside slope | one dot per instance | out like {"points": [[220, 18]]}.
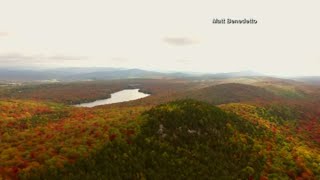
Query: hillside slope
{"points": [[231, 92]]}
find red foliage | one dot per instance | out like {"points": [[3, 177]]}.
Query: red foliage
{"points": [[112, 137], [30, 138]]}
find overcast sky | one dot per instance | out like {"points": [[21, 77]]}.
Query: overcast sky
{"points": [[162, 35]]}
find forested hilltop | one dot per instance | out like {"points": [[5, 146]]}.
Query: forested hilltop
{"points": [[189, 139]]}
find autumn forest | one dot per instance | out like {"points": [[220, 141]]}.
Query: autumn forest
{"points": [[227, 128]]}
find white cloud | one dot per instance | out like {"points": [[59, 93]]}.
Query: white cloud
{"points": [[9, 59], [4, 34], [179, 41]]}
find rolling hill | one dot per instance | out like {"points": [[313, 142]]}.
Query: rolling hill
{"points": [[230, 92]]}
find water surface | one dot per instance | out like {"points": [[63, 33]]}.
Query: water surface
{"points": [[120, 96]]}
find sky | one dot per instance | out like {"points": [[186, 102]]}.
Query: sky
{"points": [[173, 35]]}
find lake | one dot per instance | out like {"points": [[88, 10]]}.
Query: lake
{"points": [[120, 96]]}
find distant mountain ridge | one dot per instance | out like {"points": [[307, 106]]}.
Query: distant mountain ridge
{"points": [[309, 79], [109, 73], [233, 74]]}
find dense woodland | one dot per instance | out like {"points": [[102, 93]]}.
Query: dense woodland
{"points": [[260, 129]]}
